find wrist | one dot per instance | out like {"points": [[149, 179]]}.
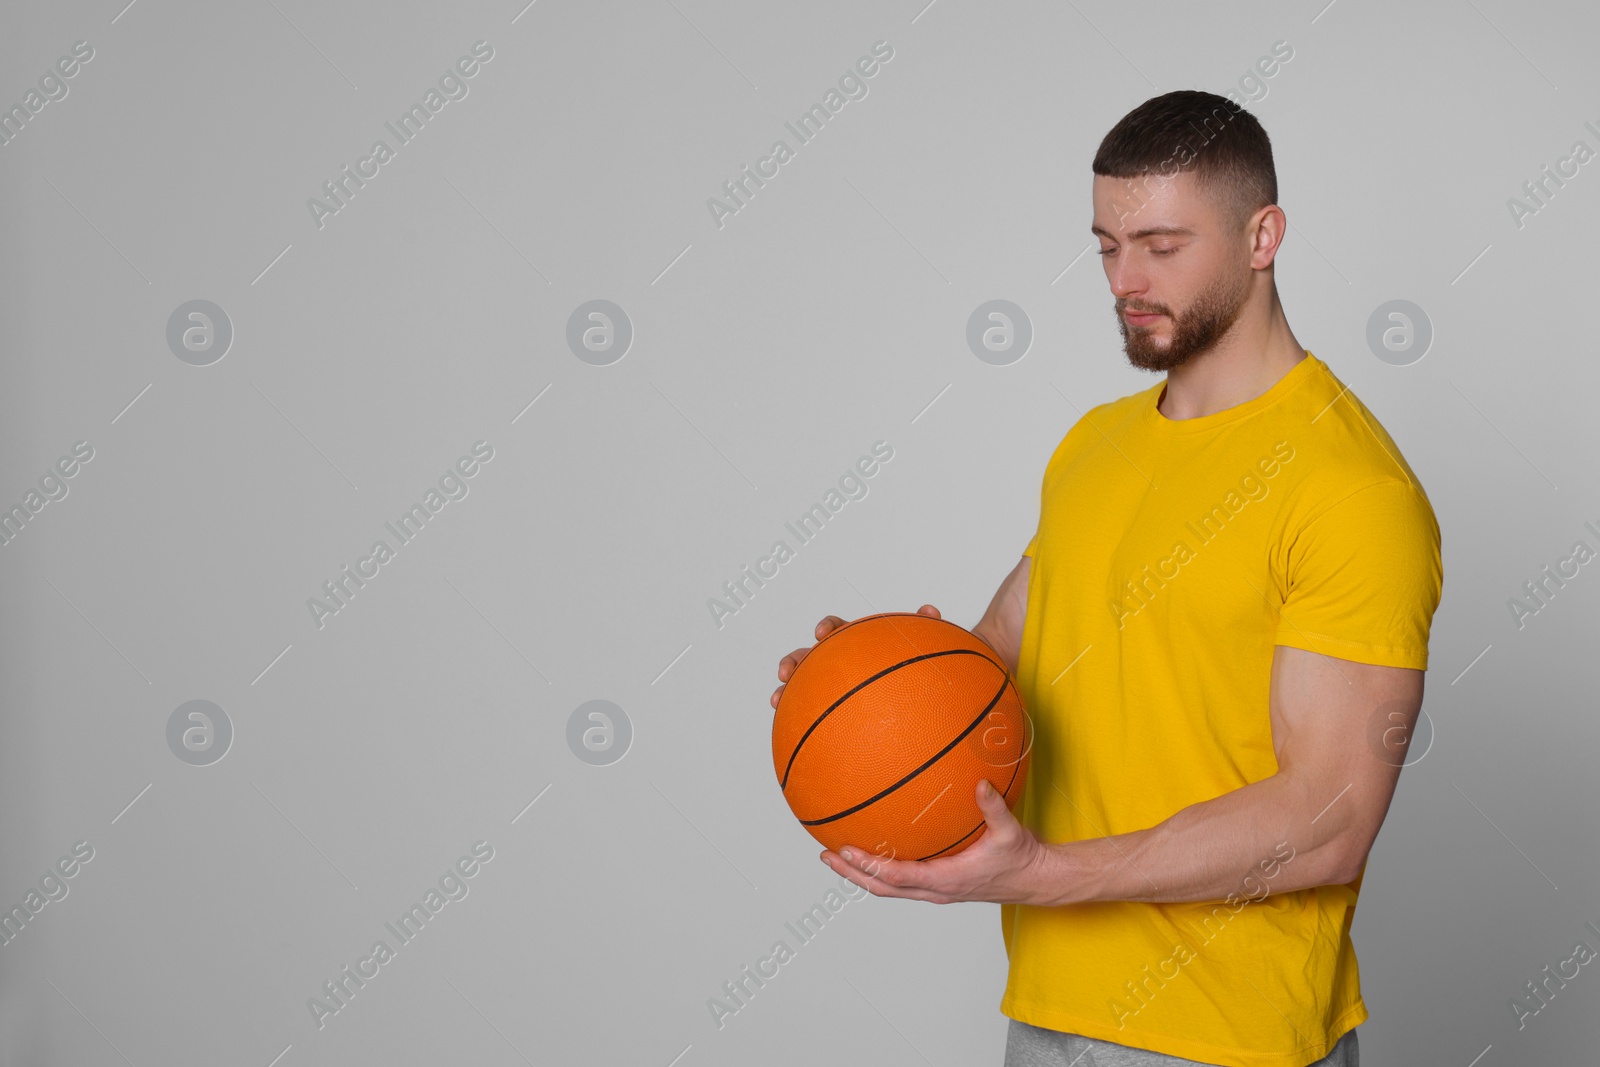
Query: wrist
{"points": [[1069, 872], [1048, 877]]}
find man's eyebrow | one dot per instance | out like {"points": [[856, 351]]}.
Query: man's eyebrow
{"points": [[1149, 231]]}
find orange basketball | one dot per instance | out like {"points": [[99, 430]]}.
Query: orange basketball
{"points": [[884, 729]]}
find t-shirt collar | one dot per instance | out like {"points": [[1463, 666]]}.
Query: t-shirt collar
{"points": [[1292, 379]]}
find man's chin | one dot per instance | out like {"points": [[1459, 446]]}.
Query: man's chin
{"points": [[1148, 357]]}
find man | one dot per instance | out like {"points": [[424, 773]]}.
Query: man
{"points": [[1220, 630]]}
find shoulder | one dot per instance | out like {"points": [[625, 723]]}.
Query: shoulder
{"points": [[1113, 417], [1348, 455], [1108, 421], [1387, 507]]}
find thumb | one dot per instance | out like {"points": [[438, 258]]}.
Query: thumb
{"points": [[993, 805]]}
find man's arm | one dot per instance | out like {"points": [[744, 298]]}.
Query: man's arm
{"points": [[1001, 625], [1325, 802]]}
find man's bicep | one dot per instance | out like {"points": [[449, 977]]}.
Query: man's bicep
{"points": [[1340, 729]]}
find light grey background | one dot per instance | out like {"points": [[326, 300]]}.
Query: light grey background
{"points": [[768, 355]]}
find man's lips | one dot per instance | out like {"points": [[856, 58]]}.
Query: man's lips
{"points": [[1140, 318]]}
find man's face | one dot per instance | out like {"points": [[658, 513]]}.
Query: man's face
{"points": [[1176, 262]]}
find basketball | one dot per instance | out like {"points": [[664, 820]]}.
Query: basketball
{"points": [[884, 729]]}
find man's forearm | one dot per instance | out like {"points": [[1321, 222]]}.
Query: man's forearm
{"points": [[1003, 646], [1001, 625], [1006, 642], [1257, 839]]}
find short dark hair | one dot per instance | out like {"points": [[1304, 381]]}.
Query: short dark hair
{"points": [[1208, 135]]}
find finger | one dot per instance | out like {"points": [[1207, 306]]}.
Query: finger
{"points": [[997, 815], [930, 611], [788, 663], [829, 624], [898, 874], [877, 886]]}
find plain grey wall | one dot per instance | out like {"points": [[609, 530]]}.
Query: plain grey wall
{"points": [[373, 347]]}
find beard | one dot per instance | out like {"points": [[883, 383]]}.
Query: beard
{"points": [[1201, 325]]}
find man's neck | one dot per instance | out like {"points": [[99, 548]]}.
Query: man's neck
{"points": [[1241, 366]]}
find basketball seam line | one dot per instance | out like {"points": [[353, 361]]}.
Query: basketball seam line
{"points": [[951, 845], [784, 784], [1004, 684]]}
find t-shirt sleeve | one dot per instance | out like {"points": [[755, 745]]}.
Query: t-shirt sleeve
{"points": [[1364, 579], [1032, 544]]}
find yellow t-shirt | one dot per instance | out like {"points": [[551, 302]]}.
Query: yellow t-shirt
{"points": [[1171, 556]]}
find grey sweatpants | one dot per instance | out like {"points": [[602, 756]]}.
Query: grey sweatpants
{"points": [[1034, 1046]]}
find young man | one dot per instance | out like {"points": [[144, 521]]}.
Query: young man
{"points": [[1220, 630]]}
